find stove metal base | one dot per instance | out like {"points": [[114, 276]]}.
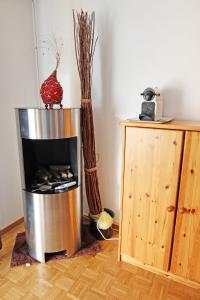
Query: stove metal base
{"points": [[53, 222]]}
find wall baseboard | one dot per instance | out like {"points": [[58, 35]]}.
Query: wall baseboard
{"points": [[11, 226]]}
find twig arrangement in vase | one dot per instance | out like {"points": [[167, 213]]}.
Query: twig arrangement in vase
{"points": [[85, 42]]}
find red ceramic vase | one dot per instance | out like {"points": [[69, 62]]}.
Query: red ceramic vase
{"points": [[51, 91]]}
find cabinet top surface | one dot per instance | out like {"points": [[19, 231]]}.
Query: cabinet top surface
{"points": [[173, 125]]}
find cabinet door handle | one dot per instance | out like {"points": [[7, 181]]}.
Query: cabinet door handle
{"points": [[171, 208], [183, 210]]}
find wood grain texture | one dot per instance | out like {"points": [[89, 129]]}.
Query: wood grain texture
{"points": [[186, 250], [122, 191], [169, 275], [152, 165], [173, 125], [87, 277]]}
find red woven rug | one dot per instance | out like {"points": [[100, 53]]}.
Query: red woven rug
{"points": [[21, 257]]}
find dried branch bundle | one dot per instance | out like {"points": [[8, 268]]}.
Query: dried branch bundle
{"points": [[85, 43]]}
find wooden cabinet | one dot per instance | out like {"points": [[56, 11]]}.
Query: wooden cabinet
{"points": [[152, 164], [160, 198], [186, 249]]}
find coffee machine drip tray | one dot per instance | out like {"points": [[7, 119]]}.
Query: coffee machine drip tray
{"points": [[161, 121]]}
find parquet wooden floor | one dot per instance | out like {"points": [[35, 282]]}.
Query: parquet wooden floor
{"points": [[86, 277]]}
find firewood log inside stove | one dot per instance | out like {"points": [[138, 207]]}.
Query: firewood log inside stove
{"points": [[43, 175], [48, 178], [64, 171], [63, 174], [55, 174], [69, 174]]}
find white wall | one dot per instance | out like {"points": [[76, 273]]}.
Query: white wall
{"points": [[17, 88], [141, 43]]}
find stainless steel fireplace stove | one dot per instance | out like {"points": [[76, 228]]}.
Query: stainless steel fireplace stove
{"points": [[50, 159]]}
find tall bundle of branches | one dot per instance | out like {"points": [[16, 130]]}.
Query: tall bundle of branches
{"points": [[85, 42]]}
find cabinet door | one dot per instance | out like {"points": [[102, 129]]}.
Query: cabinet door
{"points": [[151, 178], [186, 249]]}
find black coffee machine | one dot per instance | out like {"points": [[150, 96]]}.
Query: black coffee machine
{"points": [[152, 105]]}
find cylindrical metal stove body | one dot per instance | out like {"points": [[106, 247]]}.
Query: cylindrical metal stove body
{"points": [[52, 221]]}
